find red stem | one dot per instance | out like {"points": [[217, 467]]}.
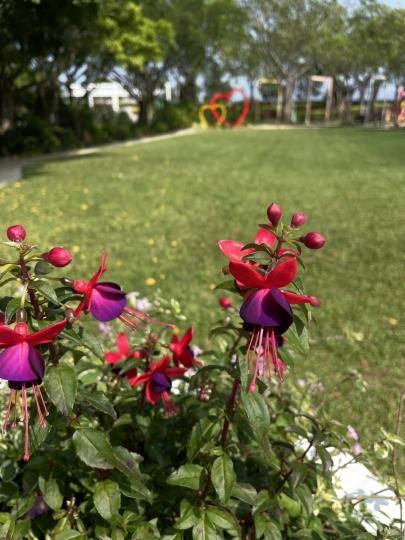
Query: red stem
{"points": [[27, 279]]}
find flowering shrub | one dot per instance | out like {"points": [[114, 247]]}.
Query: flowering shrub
{"points": [[140, 434]]}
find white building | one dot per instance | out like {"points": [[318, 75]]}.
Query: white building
{"points": [[112, 94]]}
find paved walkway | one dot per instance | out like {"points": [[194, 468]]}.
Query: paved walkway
{"points": [[11, 169]]}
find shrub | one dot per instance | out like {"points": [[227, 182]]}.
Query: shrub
{"points": [[155, 438]]}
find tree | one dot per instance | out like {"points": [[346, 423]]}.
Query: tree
{"points": [[135, 47], [286, 32]]}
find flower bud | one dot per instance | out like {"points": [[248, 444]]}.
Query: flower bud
{"points": [[21, 315], [225, 302], [58, 256], [313, 240], [274, 213], [298, 219], [16, 233], [70, 315]]}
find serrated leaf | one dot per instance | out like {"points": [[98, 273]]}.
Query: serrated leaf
{"points": [[98, 401], [13, 305], [92, 343], [224, 520], [107, 499], [61, 386], [228, 285], [257, 412], [94, 448], [223, 477], [46, 290], [244, 492], [189, 516], [265, 528], [188, 476], [297, 336], [51, 493], [205, 530], [203, 432]]}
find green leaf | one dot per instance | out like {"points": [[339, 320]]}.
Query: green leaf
{"points": [[46, 290], [61, 386], [51, 493], [244, 492], [189, 516], [263, 501], [94, 448], [293, 507], [257, 412], [297, 336], [228, 285], [127, 462], [267, 529], [92, 343], [188, 476], [205, 530], [70, 534], [107, 499], [42, 268], [203, 432], [12, 307], [223, 477], [224, 520], [305, 496]]}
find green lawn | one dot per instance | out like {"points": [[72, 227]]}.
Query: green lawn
{"points": [[159, 209]]}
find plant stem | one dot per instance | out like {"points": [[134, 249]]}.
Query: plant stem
{"points": [[394, 460], [27, 280], [286, 476], [225, 430], [228, 411]]}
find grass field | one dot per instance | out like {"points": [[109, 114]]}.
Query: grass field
{"points": [[159, 209]]}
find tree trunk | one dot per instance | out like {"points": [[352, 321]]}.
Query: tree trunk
{"points": [[145, 111], [6, 106], [188, 91], [288, 98], [371, 102]]}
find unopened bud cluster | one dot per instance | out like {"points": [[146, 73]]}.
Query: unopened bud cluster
{"points": [[311, 240]]}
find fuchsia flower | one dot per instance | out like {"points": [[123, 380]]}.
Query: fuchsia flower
{"points": [[182, 352], [16, 233], [158, 382], [105, 301], [267, 313], [124, 350], [233, 249], [225, 302], [313, 240], [58, 256], [21, 364]]}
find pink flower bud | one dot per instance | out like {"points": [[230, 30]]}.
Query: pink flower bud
{"points": [[16, 233], [58, 256], [225, 302], [274, 213], [313, 240], [298, 219]]}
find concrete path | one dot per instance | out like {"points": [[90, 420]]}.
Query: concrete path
{"points": [[11, 169]]}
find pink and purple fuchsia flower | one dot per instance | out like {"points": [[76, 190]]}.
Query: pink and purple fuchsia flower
{"points": [[22, 365], [158, 382], [266, 308], [105, 301]]}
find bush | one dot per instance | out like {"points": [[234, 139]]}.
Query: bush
{"points": [[173, 116], [155, 439]]}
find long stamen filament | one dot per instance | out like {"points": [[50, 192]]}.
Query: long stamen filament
{"points": [[25, 408]]}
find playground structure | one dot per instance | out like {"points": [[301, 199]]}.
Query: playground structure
{"points": [[329, 94], [271, 92], [219, 110], [400, 106]]}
